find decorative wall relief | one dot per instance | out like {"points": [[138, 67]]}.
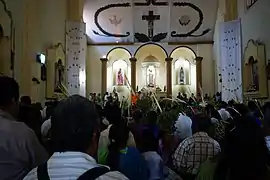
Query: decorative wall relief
{"points": [[192, 32], [151, 23], [115, 21], [250, 3], [184, 20], [151, 2], [149, 20], [102, 30], [76, 57]]}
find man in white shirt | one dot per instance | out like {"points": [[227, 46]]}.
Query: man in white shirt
{"points": [[20, 150], [74, 133]]}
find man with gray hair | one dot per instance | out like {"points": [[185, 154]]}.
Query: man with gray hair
{"points": [[74, 135]]}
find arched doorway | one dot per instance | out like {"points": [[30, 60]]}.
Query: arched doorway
{"points": [[183, 71], [118, 71], [150, 66]]}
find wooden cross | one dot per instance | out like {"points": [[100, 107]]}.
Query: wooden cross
{"points": [[150, 18]]}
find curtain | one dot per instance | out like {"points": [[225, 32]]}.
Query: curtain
{"points": [[231, 60]]}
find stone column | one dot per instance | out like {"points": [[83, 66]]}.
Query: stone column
{"points": [[169, 75], [199, 73], [231, 12], [75, 10], [103, 75], [133, 61]]}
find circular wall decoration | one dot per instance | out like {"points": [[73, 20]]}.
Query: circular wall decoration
{"points": [[106, 33], [197, 27]]}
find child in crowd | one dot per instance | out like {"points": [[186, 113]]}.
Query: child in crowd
{"points": [[149, 151]]}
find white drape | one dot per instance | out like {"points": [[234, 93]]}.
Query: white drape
{"points": [[230, 60], [76, 57]]}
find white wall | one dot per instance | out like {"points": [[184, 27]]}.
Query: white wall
{"points": [[45, 20], [256, 23]]}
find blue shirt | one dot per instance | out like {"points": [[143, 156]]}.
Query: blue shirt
{"points": [[132, 164]]}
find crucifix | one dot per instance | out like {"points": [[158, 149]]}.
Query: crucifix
{"points": [[150, 18]]}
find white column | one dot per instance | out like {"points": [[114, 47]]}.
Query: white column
{"points": [[76, 57]]}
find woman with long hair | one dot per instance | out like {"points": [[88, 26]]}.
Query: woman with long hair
{"points": [[126, 160]]}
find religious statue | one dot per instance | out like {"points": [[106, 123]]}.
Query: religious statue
{"points": [[120, 77], [255, 76], [59, 75], [150, 77], [181, 76]]}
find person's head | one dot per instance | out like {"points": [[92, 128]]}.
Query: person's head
{"points": [[211, 112], [26, 100], [75, 126], [246, 150], [252, 105], [149, 141], [201, 123], [242, 108], [223, 105], [9, 95], [152, 117], [118, 136], [266, 112]]}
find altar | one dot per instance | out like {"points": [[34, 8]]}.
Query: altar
{"points": [[150, 69]]}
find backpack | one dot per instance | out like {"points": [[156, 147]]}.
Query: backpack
{"points": [[91, 174]]}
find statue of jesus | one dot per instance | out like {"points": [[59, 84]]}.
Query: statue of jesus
{"points": [[120, 77], [150, 78]]}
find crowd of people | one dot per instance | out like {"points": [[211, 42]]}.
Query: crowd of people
{"points": [[78, 138]]}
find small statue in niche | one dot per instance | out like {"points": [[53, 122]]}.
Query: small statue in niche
{"points": [[120, 77], [254, 74], [59, 75], [151, 76], [181, 76]]}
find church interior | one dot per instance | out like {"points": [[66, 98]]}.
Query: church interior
{"points": [[165, 46]]}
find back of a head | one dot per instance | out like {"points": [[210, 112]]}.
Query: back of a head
{"points": [[26, 100], [246, 150], [242, 108], [149, 141], [152, 117], [113, 114], [223, 105], [118, 136], [74, 122], [201, 123], [9, 91]]}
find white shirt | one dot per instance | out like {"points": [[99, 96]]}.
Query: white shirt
{"points": [[155, 165], [71, 165]]}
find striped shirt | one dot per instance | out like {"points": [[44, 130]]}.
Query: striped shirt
{"points": [[70, 166]]}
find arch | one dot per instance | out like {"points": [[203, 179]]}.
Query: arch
{"points": [[151, 43], [115, 48], [183, 47]]}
